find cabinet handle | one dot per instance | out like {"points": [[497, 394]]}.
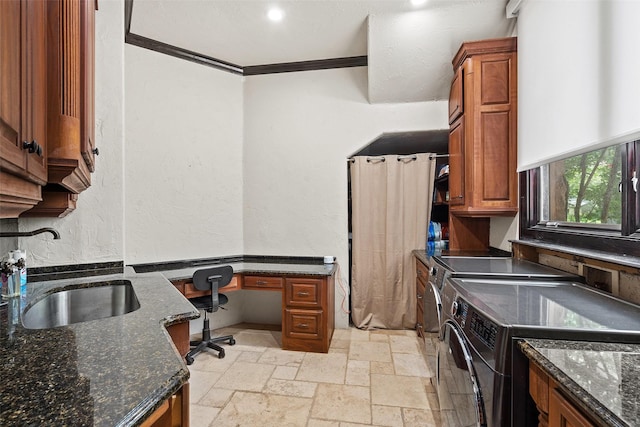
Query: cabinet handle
{"points": [[419, 296], [303, 325], [96, 151], [303, 294], [261, 282], [457, 197], [33, 147]]}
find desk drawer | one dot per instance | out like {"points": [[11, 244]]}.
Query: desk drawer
{"points": [[303, 293], [306, 324], [263, 282]]}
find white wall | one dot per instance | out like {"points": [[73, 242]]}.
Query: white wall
{"points": [[299, 130], [501, 230], [94, 231], [183, 158], [578, 85]]}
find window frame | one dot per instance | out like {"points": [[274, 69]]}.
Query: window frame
{"points": [[625, 241]]}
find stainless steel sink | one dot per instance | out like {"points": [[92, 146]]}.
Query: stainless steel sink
{"points": [[99, 301]]}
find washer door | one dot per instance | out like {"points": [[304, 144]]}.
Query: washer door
{"points": [[432, 308], [459, 393]]}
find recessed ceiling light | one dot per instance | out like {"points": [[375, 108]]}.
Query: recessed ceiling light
{"points": [[418, 2], [275, 14]]}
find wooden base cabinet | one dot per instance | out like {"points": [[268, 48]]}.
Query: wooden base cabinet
{"points": [[173, 412], [308, 314], [422, 278], [555, 410]]}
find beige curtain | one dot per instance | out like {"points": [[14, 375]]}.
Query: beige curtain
{"points": [[391, 203]]}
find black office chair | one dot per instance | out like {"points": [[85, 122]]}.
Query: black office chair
{"points": [[210, 279]]}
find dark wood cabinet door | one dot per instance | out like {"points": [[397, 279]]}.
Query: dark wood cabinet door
{"points": [[12, 156], [495, 134], [23, 94], [87, 79], [456, 96], [456, 163], [562, 413], [35, 105], [66, 167], [23, 88]]}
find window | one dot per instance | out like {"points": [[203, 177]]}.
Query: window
{"points": [[583, 190], [589, 200]]}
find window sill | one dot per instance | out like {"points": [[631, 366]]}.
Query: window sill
{"points": [[629, 260]]}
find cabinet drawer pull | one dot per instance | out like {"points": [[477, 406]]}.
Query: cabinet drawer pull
{"points": [[302, 325], [457, 197], [261, 282], [419, 296], [303, 294]]}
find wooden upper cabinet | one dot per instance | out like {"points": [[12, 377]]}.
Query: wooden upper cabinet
{"points": [[67, 167], [47, 108], [484, 137], [23, 92], [87, 79], [70, 66]]}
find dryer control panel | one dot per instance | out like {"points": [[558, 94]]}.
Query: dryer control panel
{"points": [[484, 329]]}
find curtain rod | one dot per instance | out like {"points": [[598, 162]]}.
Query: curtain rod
{"points": [[400, 158]]}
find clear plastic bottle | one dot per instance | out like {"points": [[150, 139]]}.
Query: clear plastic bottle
{"points": [[20, 261], [13, 281]]}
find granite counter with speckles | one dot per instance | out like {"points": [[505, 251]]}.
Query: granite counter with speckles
{"points": [[244, 264], [602, 378], [259, 268], [105, 372], [113, 371]]}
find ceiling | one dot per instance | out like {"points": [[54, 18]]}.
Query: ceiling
{"points": [[409, 48]]}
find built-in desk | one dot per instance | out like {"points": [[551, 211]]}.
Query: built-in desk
{"points": [[308, 296]]}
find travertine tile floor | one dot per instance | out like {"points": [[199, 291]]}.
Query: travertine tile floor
{"points": [[368, 378]]}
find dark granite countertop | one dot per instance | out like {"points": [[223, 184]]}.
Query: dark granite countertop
{"points": [[246, 264], [259, 268], [114, 371], [106, 372], [602, 378], [423, 256]]}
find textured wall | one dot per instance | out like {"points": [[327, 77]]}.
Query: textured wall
{"points": [[300, 128], [94, 231], [183, 157]]}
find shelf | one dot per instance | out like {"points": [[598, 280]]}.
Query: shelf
{"points": [[444, 178]]}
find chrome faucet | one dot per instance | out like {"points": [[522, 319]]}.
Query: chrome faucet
{"points": [[53, 231]]}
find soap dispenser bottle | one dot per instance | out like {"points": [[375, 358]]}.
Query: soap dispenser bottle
{"points": [[20, 274]]}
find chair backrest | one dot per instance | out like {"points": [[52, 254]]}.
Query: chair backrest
{"points": [[202, 279], [213, 279]]}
